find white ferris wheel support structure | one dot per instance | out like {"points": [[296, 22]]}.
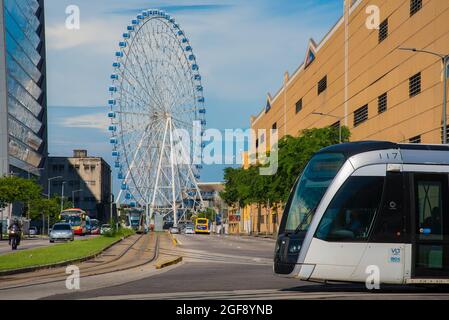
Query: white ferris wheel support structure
{"points": [[156, 93]]}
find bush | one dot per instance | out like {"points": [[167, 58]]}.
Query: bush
{"points": [[119, 232]]}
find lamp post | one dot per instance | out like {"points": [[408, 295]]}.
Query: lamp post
{"points": [[336, 117], [73, 196], [49, 185], [445, 59], [48, 196], [62, 196]]}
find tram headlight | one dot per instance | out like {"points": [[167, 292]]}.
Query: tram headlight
{"points": [[294, 247]]}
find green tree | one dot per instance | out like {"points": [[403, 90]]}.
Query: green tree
{"points": [[16, 189], [247, 186], [43, 206]]}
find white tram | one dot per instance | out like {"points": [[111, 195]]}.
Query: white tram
{"points": [[364, 204]]}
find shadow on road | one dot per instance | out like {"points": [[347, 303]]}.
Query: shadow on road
{"points": [[352, 287]]}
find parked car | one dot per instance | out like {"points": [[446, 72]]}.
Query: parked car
{"points": [[174, 230], [95, 227], [189, 230], [105, 228], [61, 231], [167, 225], [32, 231]]}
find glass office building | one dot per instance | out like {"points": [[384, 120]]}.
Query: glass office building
{"points": [[23, 118]]}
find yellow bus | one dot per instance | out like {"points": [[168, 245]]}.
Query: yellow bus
{"points": [[202, 225]]}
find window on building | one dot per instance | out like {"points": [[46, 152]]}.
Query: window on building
{"points": [[299, 105], [382, 102], [257, 143], [274, 126], [322, 85], [415, 6], [92, 168], [54, 167], [415, 85], [262, 138], [447, 134], [416, 139], [335, 125], [61, 167], [274, 218], [383, 30], [360, 115], [267, 107], [86, 167]]}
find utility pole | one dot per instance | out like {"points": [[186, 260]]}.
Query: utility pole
{"points": [[62, 196]]}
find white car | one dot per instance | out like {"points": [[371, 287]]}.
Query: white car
{"points": [[32, 231], [174, 230], [189, 230], [105, 228]]}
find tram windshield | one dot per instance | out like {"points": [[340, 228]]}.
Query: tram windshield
{"points": [[310, 189]]}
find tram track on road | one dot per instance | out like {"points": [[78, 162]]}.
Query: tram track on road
{"points": [[133, 256], [204, 256]]}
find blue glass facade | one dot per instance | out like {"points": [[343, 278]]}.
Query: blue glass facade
{"points": [[24, 60]]}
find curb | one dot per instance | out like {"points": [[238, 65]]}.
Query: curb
{"points": [[58, 264], [168, 263]]}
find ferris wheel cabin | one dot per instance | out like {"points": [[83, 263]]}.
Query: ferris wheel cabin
{"points": [[364, 204]]}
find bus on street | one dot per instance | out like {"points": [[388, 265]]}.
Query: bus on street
{"points": [[78, 219], [202, 226]]}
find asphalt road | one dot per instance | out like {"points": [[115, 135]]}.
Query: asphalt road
{"points": [[226, 267], [31, 243], [211, 263]]}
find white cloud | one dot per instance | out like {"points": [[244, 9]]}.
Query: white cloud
{"points": [[91, 121], [97, 35]]}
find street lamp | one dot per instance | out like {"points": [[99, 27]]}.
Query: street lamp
{"points": [[62, 196], [48, 196], [445, 60], [49, 186], [73, 196], [336, 117]]}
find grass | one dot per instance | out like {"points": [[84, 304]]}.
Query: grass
{"points": [[59, 252]]}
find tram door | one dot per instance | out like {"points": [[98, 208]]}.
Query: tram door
{"points": [[431, 236]]}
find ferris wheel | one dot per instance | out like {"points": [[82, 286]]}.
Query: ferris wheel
{"points": [[156, 94]]}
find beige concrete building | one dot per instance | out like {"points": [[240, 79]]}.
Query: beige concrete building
{"points": [[87, 182], [358, 76]]}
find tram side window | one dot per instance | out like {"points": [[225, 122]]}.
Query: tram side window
{"points": [[430, 209], [350, 214]]}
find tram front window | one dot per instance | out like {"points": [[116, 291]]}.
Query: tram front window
{"points": [[310, 189], [350, 215]]}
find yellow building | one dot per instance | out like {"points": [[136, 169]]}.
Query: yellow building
{"points": [[358, 76]]}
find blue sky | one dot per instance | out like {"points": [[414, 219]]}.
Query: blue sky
{"points": [[243, 49]]}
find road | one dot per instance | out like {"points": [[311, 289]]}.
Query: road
{"points": [[220, 267], [30, 243]]}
